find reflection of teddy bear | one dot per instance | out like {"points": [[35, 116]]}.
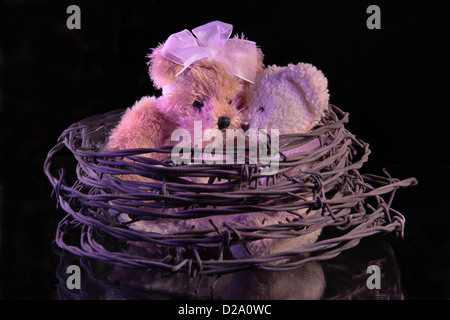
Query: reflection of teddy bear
{"points": [[291, 99], [304, 283], [204, 78]]}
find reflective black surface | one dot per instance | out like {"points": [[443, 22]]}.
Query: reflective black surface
{"points": [[392, 81], [342, 278]]}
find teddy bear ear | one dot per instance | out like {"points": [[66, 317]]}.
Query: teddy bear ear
{"points": [[259, 65], [162, 71], [313, 86]]}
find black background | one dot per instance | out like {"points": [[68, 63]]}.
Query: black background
{"points": [[393, 82]]}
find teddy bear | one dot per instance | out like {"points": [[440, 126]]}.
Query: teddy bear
{"points": [[291, 99], [204, 76], [201, 80]]}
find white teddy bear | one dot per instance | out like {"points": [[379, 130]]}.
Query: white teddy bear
{"points": [[291, 99]]}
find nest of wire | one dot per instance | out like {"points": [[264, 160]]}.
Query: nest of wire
{"points": [[94, 194]]}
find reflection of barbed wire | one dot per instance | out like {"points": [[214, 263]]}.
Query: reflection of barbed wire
{"points": [[348, 202], [346, 276], [107, 281], [342, 278]]}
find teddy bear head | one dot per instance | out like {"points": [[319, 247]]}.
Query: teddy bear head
{"points": [[291, 99], [206, 90]]}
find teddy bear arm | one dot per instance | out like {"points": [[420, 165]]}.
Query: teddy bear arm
{"points": [[140, 127]]}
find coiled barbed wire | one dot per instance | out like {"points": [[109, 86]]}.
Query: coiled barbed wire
{"points": [[351, 204]]}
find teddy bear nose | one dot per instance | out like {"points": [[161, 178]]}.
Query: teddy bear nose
{"points": [[223, 122]]}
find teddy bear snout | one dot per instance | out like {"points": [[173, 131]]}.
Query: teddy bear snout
{"points": [[223, 122]]}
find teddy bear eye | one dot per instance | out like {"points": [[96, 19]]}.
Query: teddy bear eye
{"points": [[230, 101], [261, 109], [197, 105]]}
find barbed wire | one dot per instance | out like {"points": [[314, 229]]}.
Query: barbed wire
{"points": [[351, 204]]}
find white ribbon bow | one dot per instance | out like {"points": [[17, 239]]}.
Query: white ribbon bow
{"points": [[212, 41]]}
